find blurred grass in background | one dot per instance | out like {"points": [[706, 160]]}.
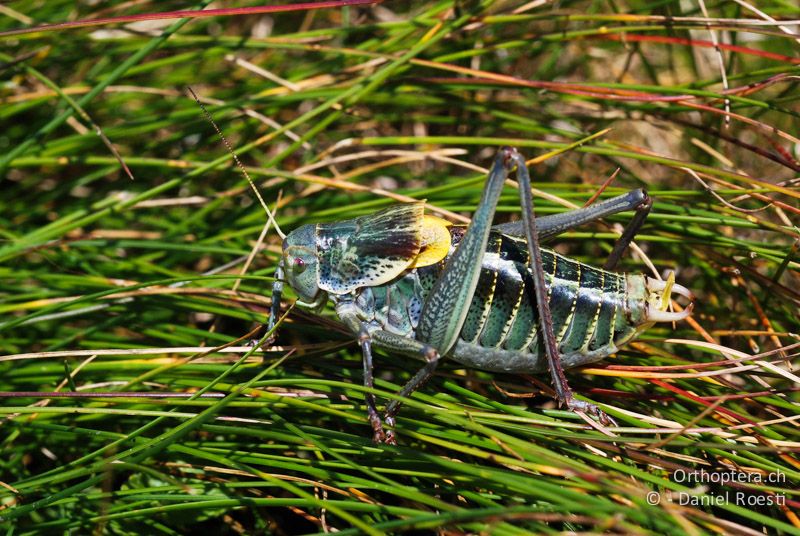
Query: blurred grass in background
{"points": [[114, 286]]}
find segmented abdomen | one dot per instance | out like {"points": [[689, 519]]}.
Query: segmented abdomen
{"points": [[588, 305]]}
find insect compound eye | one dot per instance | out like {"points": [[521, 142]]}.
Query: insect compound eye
{"points": [[299, 265]]}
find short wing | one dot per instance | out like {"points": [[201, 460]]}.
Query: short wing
{"points": [[370, 250]]}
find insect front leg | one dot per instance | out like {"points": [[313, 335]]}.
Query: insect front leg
{"points": [[346, 312], [275, 302]]}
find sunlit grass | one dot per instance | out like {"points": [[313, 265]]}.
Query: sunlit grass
{"points": [[125, 288]]}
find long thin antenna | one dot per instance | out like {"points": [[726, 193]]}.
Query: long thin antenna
{"points": [[238, 163]]}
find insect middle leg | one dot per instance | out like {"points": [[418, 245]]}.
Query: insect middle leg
{"points": [[406, 346], [346, 312]]}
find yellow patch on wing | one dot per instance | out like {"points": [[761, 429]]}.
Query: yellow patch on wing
{"points": [[435, 242]]}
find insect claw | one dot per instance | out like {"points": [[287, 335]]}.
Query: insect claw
{"points": [[389, 437], [605, 419], [378, 437], [581, 406]]}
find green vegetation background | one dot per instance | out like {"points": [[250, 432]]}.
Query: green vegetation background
{"points": [[112, 285]]}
